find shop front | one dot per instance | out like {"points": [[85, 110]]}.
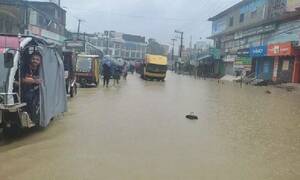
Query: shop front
{"points": [[262, 63], [243, 62], [285, 57], [228, 62], [296, 72]]}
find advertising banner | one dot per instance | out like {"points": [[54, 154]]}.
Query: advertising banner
{"points": [[283, 49], [243, 63], [258, 51]]}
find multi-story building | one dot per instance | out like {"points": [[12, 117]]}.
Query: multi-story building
{"points": [[43, 19], [247, 31], [119, 45]]}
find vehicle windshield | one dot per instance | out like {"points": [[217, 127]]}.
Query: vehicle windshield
{"points": [[4, 72], [84, 64], [156, 68]]}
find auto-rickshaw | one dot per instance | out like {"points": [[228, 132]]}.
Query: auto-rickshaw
{"points": [[70, 77], [48, 97], [87, 70]]}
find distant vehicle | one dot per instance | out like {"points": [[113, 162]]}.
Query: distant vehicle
{"points": [[48, 95], [70, 77], [87, 70], [154, 67]]}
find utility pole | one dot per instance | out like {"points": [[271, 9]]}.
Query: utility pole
{"points": [[181, 42], [173, 44], [107, 41], [180, 50]]}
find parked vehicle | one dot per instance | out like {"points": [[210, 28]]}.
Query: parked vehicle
{"points": [[87, 70], [48, 98], [70, 77], [154, 67]]}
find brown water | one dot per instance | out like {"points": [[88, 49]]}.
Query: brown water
{"points": [[138, 131]]}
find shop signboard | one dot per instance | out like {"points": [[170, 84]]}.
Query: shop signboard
{"points": [[216, 53], [282, 49], [230, 58], [254, 31], [243, 52], [244, 63], [258, 51], [74, 44]]}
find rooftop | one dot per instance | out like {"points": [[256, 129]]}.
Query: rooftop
{"points": [[46, 3]]}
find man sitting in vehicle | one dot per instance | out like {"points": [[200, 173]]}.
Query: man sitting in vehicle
{"points": [[30, 85]]}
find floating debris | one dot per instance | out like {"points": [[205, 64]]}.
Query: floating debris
{"points": [[191, 116], [268, 92]]}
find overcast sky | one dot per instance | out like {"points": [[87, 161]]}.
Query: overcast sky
{"points": [[151, 18]]}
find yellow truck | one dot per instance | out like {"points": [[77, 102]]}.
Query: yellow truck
{"points": [[155, 67]]}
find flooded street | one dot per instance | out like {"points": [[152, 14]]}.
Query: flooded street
{"points": [[139, 131]]}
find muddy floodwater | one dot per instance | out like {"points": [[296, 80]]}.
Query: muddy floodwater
{"points": [[138, 131]]}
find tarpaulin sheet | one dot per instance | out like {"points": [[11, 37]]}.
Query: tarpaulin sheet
{"points": [[53, 91]]}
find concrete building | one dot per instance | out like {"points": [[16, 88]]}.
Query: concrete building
{"points": [[42, 19], [255, 25], [119, 45]]}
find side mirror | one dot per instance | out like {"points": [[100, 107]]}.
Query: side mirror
{"points": [[8, 60]]}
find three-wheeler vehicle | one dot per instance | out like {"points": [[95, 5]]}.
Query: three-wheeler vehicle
{"points": [[22, 105], [70, 77], [87, 70]]}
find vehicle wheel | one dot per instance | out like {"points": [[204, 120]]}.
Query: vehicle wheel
{"points": [[12, 131]]}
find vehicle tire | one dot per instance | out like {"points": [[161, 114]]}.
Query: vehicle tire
{"points": [[12, 131]]}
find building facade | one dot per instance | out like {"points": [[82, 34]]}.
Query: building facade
{"points": [[246, 31], [43, 19], [119, 45]]}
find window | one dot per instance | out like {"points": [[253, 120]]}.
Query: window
{"points": [[242, 17], [117, 45], [132, 54], [231, 22], [253, 14], [111, 44], [117, 52]]}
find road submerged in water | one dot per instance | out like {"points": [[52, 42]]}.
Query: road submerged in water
{"points": [[138, 130]]}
